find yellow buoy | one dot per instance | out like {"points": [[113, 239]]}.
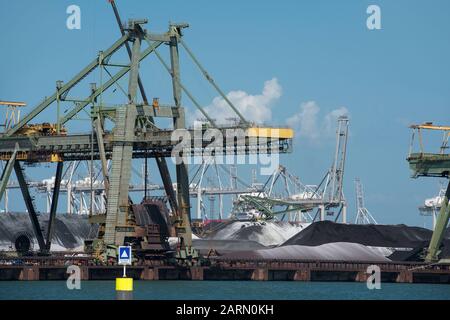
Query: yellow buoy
{"points": [[124, 288]]}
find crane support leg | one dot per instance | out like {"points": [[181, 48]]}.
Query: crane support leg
{"points": [[167, 182], [160, 161], [54, 206], [183, 226], [7, 172], [118, 202], [30, 206], [117, 212], [101, 149], [438, 234]]}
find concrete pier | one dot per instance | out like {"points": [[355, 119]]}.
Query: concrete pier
{"points": [[260, 274], [196, 273], [30, 273], [150, 274], [302, 275], [361, 276], [405, 276]]}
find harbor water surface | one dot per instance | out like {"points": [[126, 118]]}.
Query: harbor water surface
{"points": [[224, 290]]}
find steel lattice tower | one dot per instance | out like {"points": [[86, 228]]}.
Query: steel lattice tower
{"points": [[363, 216]]}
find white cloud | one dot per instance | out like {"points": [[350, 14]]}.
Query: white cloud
{"points": [[331, 118], [308, 124], [254, 108], [305, 121]]}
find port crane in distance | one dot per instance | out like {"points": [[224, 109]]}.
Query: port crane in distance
{"points": [[426, 164], [12, 114]]}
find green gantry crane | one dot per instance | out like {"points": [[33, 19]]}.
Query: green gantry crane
{"points": [[132, 134], [425, 164]]}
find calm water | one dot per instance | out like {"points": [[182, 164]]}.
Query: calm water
{"points": [[94, 290]]}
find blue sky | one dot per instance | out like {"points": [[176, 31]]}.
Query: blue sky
{"points": [[319, 51]]}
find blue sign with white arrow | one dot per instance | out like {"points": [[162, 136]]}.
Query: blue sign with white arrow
{"points": [[125, 255]]}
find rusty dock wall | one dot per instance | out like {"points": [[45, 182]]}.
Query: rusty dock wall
{"points": [[217, 269]]}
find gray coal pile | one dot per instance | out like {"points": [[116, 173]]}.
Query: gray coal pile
{"points": [[409, 240], [393, 236], [268, 233], [268, 240], [326, 252], [225, 246], [69, 233], [326, 241]]}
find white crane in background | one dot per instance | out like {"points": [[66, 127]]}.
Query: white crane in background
{"points": [[363, 215]]}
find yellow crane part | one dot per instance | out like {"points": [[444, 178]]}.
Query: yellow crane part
{"points": [[430, 126], [12, 103], [266, 132]]}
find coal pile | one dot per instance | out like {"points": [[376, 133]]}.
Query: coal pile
{"points": [[326, 252], [268, 233], [69, 232], [405, 243], [329, 241], [225, 246], [393, 236]]}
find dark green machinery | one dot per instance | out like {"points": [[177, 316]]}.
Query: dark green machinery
{"points": [[425, 164]]}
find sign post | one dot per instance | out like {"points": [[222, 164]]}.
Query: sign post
{"points": [[125, 257], [124, 285]]}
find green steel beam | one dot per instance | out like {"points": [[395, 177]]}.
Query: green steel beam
{"points": [[122, 31], [167, 183], [161, 162], [107, 84], [65, 88], [102, 153], [183, 227], [134, 70], [186, 91], [266, 205], [54, 205], [7, 171], [429, 164], [439, 230], [259, 205], [157, 37], [211, 81], [30, 206], [124, 130], [119, 178], [155, 142]]}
